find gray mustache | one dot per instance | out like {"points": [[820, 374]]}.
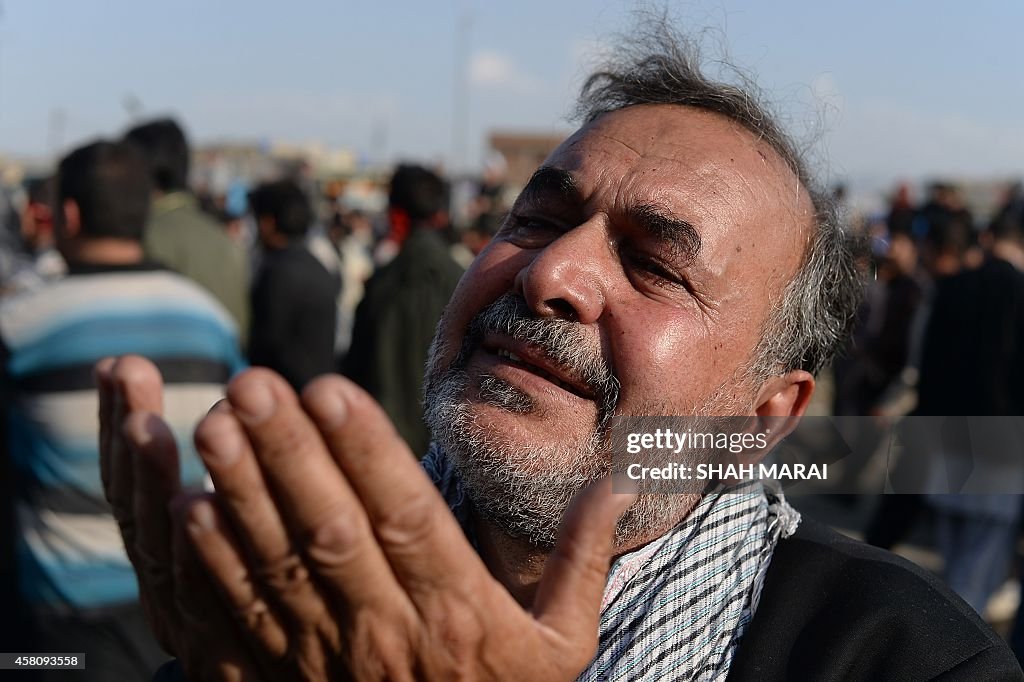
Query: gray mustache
{"points": [[565, 343]]}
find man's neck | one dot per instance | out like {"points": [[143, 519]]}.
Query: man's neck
{"points": [[103, 251], [514, 563], [519, 566]]}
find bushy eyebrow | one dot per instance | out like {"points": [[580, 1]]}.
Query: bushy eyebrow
{"points": [[558, 185], [660, 224], [547, 182]]}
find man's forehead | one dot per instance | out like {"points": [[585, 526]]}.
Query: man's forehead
{"points": [[673, 134], [686, 159]]}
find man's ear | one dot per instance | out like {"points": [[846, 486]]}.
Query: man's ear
{"points": [[785, 396], [72, 219], [781, 403]]}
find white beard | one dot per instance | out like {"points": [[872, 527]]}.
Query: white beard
{"points": [[525, 489]]}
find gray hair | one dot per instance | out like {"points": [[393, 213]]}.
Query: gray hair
{"points": [[815, 313]]}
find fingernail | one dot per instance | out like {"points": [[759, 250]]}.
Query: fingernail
{"points": [[102, 369], [255, 403], [327, 407], [219, 441], [201, 518]]}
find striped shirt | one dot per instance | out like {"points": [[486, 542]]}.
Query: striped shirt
{"points": [[70, 554]]}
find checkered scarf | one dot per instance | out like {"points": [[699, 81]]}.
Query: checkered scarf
{"points": [[677, 608]]}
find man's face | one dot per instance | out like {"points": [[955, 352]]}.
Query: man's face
{"points": [[634, 275]]}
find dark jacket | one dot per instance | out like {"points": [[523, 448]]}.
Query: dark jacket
{"points": [[294, 315], [972, 362], [836, 609], [394, 325]]}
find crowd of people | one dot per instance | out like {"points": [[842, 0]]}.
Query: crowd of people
{"points": [[939, 335], [115, 253]]}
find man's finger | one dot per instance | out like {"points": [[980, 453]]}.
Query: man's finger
{"points": [[156, 481], [105, 388], [313, 496], [219, 551], [421, 539], [211, 646], [569, 596], [224, 447], [137, 387]]}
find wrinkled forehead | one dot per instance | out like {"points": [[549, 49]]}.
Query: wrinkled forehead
{"points": [[694, 159]]}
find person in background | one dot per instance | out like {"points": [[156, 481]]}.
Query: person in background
{"points": [[900, 219], [294, 297], [972, 364], [941, 256], [179, 234], [351, 232], [75, 581], [404, 300], [40, 262]]}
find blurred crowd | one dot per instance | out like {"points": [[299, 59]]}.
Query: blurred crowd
{"points": [[126, 248], [939, 335]]}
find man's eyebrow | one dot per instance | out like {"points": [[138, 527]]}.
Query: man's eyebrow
{"points": [[547, 182], [660, 224]]}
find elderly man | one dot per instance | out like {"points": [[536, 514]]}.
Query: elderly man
{"points": [[670, 258]]}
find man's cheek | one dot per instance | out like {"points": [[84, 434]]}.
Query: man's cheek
{"points": [[667, 362]]}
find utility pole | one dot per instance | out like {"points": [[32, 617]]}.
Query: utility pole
{"points": [[55, 135], [132, 106], [460, 108]]}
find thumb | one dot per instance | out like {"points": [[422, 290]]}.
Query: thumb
{"points": [[569, 596]]}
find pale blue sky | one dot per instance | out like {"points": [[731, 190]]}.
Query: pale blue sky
{"points": [[908, 90]]}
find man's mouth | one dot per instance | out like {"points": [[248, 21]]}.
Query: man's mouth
{"points": [[535, 361]]}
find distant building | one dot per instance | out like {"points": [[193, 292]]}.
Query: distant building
{"points": [[523, 152]]}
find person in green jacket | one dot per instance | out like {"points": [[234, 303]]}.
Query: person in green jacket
{"points": [[179, 234]]}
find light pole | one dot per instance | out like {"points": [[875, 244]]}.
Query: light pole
{"points": [[460, 108]]}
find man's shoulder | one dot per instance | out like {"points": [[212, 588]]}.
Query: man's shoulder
{"points": [[427, 256], [298, 272], [190, 226], [837, 608]]}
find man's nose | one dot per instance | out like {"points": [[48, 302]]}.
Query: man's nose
{"points": [[568, 278]]}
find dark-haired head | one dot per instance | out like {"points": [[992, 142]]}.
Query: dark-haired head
{"points": [[418, 192], [166, 151], [282, 211], [102, 191]]}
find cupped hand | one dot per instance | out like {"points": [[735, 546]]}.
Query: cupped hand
{"points": [[335, 557]]}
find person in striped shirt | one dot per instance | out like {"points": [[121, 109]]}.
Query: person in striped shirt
{"points": [[76, 584]]}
